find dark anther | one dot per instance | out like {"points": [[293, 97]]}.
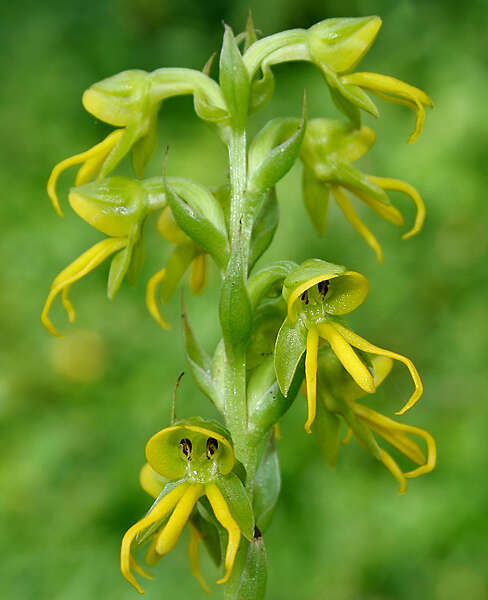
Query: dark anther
{"points": [[212, 446], [186, 447], [304, 297], [323, 287], [257, 533]]}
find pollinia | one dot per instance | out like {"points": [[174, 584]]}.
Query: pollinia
{"points": [[283, 327]]}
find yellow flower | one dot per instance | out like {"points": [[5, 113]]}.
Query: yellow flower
{"points": [[189, 460], [328, 149], [316, 294], [338, 395]]}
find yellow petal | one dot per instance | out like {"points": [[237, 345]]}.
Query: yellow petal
{"points": [[194, 559], [198, 275], [173, 528], [151, 300], [95, 155], [277, 431], [85, 263], [351, 215], [347, 437], [349, 359], [159, 511], [223, 516], [387, 183], [311, 375], [362, 344], [395, 470], [387, 211], [394, 90]]}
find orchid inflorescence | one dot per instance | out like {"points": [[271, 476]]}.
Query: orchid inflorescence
{"points": [[283, 326]]}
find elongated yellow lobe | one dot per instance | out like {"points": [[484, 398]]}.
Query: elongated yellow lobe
{"points": [[398, 432], [347, 437], [93, 158], [349, 359], [387, 211], [173, 528], [222, 513], [395, 470], [387, 183], [85, 263], [151, 300], [351, 215], [150, 481], [394, 90], [195, 539], [362, 344], [198, 275], [311, 375], [135, 566], [159, 511]]}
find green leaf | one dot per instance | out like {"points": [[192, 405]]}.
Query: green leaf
{"points": [[234, 81], [199, 361], [291, 344], [267, 485], [264, 228], [316, 196], [238, 502], [235, 308], [200, 216], [273, 152]]}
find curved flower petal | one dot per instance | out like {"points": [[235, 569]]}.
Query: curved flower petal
{"points": [[92, 159], [395, 470], [151, 301], [401, 186], [160, 510], [362, 344], [311, 375], [198, 275], [351, 215], [341, 347], [222, 513], [85, 263], [394, 90], [195, 539]]}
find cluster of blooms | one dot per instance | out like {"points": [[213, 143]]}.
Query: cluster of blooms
{"points": [[283, 323]]}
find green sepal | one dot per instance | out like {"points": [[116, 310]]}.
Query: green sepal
{"points": [[267, 279], [200, 216], [234, 308], [265, 226], [132, 133], [267, 485], [273, 152], [351, 178], [342, 42], [316, 196], [327, 428], [291, 344], [199, 361], [143, 149], [254, 574], [266, 402], [210, 536], [250, 33], [234, 80], [177, 266], [346, 107], [121, 262], [113, 206], [237, 500]]}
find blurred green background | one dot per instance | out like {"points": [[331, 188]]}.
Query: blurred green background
{"points": [[71, 449]]}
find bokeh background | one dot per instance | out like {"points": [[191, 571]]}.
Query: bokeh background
{"points": [[75, 413]]}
